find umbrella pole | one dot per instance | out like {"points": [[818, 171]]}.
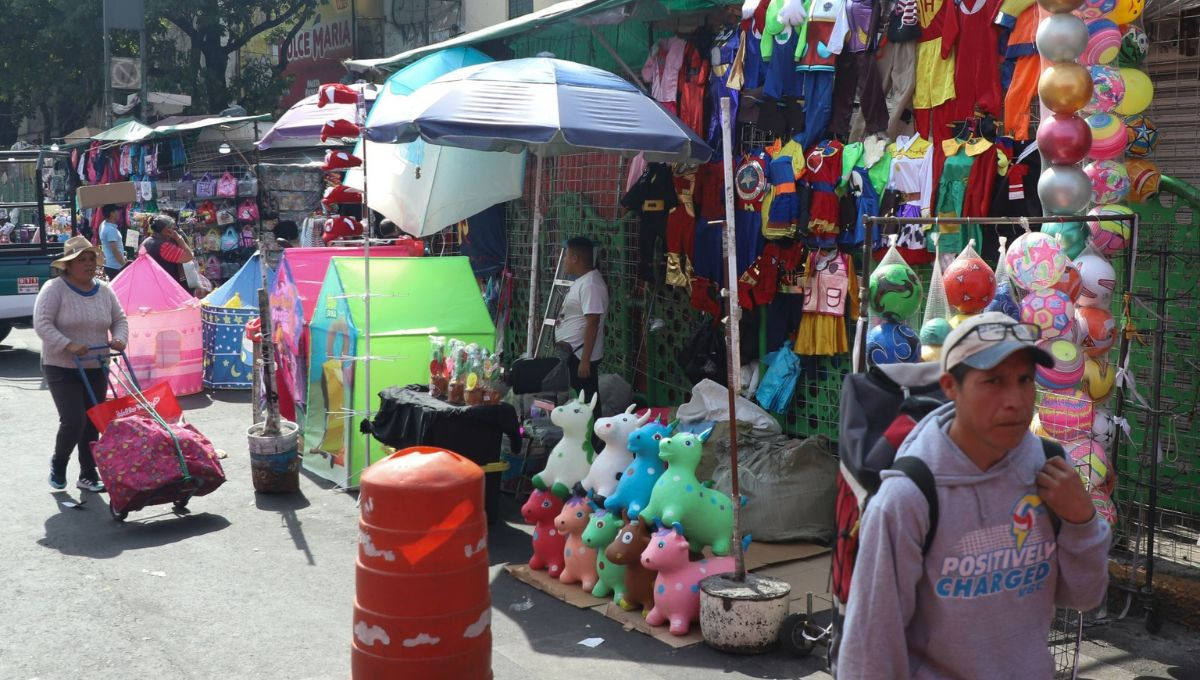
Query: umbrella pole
{"points": [[533, 263], [732, 348]]}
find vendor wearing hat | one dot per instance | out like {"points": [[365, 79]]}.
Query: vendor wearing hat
{"points": [[74, 312], [1016, 534]]}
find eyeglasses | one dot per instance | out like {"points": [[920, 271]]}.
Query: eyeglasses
{"points": [[995, 332]]}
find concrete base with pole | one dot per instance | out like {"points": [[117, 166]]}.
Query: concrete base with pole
{"points": [[740, 613]]}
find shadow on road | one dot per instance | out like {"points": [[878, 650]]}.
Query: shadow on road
{"points": [[88, 530], [287, 505]]}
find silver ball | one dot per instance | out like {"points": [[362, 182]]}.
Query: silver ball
{"points": [[1064, 190], [1061, 37]]}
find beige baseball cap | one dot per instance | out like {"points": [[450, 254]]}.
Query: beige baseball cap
{"points": [[985, 340]]}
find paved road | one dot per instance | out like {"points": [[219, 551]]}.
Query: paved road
{"points": [[251, 587]]}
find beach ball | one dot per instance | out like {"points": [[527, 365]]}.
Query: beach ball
{"points": [[1099, 377], [1091, 462], [1108, 88], [1144, 179], [1051, 310], [1035, 261], [1067, 370], [1065, 87], [1064, 190], [1099, 279], [1098, 329], [1109, 236], [934, 332], [1071, 236], [1066, 415], [958, 319], [1141, 135], [1004, 302], [1105, 428], [1094, 9], [1108, 136], [1104, 42], [1071, 282], [1104, 506], [970, 284], [896, 292], [1139, 91], [1110, 181], [1126, 11], [1135, 45], [1064, 138], [893, 343]]}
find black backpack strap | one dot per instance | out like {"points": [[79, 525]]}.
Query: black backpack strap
{"points": [[916, 470]]}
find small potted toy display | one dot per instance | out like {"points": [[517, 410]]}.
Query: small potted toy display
{"points": [[473, 394], [636, 483], [895, 296], [580, 560], [541, 510], [601, 530], [570, 459], [601, 480], [439, 384], [625, 551]]}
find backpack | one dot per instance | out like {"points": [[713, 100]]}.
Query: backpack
{"points": [[879, 409]]}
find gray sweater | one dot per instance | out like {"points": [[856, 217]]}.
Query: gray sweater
{"points": [[62, 316], [980, 604]]}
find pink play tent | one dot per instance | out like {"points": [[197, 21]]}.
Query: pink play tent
{"points": [[293, 300], [164, 327]]}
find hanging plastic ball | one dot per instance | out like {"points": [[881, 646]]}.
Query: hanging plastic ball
{"points": [[1004, 302], [1110, 181], [1109, 236], [1108, 136], [1061, 37], [1099, 279], [970, 284], [1144, 180], [1139, 92], [934, 332], [895, 290], [1066, 415], [1098, 329], [1104, 42], [1071, 282], [1135, 45], [893, 343], [1065, 88], [1035, 261], [1108, 89], [1099, 378], [1127, 10], [1072, 236], [1051, 310], [1067, 370], [1064, 190], [1064, 139], [1141, 135]]}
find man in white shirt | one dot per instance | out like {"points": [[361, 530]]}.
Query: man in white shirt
{"points": [[581, 318], [111, 243]]}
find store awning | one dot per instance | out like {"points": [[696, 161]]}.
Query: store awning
{"points": [[544, 18]]}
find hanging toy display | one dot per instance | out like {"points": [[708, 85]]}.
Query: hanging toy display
{"points": [[969, 282], [1035, 261]]}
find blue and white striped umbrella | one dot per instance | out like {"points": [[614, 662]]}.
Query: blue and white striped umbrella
{"points": [[549, 106]]}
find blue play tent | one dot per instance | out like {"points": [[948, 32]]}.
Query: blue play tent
{"points": [[223, 318]]}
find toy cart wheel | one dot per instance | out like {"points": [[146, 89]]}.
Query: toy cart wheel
{"points": [[792, 638], [1153, 622], [118, 516]]}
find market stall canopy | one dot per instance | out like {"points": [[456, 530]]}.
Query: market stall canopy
{"points": [[301, 124], [424, 188], [550, 106]]}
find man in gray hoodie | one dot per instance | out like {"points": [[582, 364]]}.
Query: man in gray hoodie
{"points": [[1017, 533]]}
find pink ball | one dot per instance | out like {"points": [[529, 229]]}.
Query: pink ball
{"points": [[1066, 415], [1066, 140]]}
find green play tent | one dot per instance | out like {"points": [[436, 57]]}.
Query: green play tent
{"points": [[411, 299]]}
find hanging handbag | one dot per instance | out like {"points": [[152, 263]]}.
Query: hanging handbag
{"points": [[206, 187], [227, 186]]}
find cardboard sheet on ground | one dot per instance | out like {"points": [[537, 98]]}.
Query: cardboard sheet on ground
{"points": [[804, 565]]}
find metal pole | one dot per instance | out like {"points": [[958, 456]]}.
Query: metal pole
{"points": [[533, 263], [732, 347]]}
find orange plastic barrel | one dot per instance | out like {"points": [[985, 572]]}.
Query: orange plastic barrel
{"points": [[422, 610]]}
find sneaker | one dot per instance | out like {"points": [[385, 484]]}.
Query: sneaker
{"points": [[90, 485], [57, 483]]}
